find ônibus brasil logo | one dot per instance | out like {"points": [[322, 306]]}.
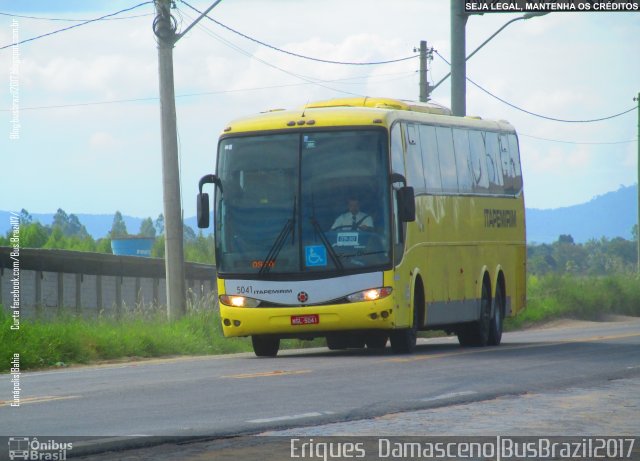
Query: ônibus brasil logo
{"points": [[32, 448]]}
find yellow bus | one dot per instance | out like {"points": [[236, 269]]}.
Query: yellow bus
{"points": [[365, 220]]}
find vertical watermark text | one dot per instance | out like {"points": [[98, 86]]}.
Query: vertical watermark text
{"points": [[14, 304], [14, 82], [14, 241]]}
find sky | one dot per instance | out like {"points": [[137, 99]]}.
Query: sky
{"points": [[86, 137]]}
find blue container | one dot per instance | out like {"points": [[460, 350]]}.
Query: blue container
{"points": [[132, 246]]}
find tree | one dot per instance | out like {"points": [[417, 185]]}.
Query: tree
{"points": [[566, 238], [103, 245], [56, 240], [69, 225], [160, 224], [60, 219], [540, 259], [189, 234], [147, 229], [75, 228], [118, 228], [25, 217], [34, 235], [634, 233]]}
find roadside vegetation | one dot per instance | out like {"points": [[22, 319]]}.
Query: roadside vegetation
{"points": [[596, 298], [66, 232], [588, 281], [68, 339]]}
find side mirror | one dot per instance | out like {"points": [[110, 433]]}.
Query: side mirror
{"points": [[209, 179], [203, 199], [203, 210], [406, 204], [397, 177]]}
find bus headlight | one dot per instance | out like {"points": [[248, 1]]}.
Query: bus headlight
{"points": [[372, 294], [239, 301]]}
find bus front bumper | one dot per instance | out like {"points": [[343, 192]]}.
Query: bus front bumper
{"points": [[291, 321]]}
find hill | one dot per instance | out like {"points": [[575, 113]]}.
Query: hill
{"points": [[609, 215]]}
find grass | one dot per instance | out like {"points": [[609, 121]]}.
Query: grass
{"points": [[585, 298], [68, 339]]}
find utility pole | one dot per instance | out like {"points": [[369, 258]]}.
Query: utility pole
{"points": [[458, 59], [425, 56], [164, 28]]}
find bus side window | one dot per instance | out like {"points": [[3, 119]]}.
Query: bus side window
{"points": [[514, 154], [478, 162], [508, 173], [463, 162], [429, 147], [448, 170], [493, 163], [415, 170], [397, 152], [397, 166]]}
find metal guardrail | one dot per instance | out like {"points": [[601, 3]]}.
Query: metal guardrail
{"points": [[41, 279]]}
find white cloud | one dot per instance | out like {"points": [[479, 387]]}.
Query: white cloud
{"points": [[101, 140]]}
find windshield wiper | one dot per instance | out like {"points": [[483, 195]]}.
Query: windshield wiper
{"points": [[274, 251], [323, 238]]}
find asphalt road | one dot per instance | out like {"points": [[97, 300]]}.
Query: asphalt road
{"points": [[242, 394]]}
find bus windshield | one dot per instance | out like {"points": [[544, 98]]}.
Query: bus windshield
{"points": [[303, 203]]}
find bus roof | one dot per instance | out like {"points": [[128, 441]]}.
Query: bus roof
{"points": [[362, 111]]}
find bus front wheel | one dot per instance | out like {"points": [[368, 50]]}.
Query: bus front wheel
{"points": [[404, 341], [376, 339], [265, 346]]}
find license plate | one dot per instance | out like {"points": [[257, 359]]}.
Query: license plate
{"points": [[310, 319]]}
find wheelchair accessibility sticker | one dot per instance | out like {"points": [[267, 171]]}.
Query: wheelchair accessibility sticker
{"points": [[315, 255]]}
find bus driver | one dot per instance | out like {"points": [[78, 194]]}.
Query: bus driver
{"points": [[353, 219]]}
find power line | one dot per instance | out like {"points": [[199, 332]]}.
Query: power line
{"points": [[204, 93], [577, 142], [42, 18], [326, 61], [539, 115], [75, 25], [310, 80]]}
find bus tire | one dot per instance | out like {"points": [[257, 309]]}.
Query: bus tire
{"points": [[404, 341], [265, 346], [497, 322], [376, 340], [476, 334]]}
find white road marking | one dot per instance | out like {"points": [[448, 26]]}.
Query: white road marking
{"points": [[449, 395], [314, 414]]}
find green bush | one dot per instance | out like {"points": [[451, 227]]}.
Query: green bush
{"points": [[587, 298]]}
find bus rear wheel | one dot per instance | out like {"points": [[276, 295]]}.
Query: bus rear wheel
{"points": [[476, 334], [265, 346], [499, 308]]}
